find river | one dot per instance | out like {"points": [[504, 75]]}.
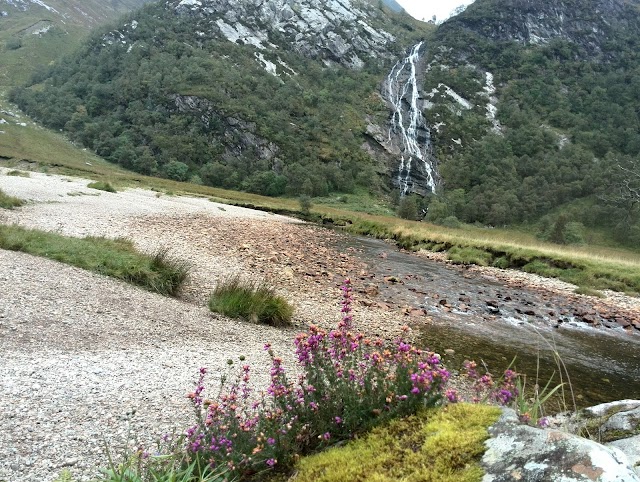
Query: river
{"points": [[486, 320]]}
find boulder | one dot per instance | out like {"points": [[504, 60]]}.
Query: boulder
{"points": [[631, 448], [518, 452]]}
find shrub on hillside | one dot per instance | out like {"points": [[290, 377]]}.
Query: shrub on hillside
{"points": [[408, 208], [561, 230]]}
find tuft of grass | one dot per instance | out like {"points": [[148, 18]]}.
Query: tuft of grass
{"points": [[251, 301], [65, 476], [467, 255], [16, 173], [117, 258], [102, 186], [437, 445], [583, 290], [9, 202], [170, 468]]}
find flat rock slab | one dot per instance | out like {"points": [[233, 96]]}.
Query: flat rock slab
{"points": [[517, 452]]}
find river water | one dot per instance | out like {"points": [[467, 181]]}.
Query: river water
{"points": [[484, 320]]}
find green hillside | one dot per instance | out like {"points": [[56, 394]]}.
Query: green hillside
{"points": [[162, 95], [33, 35], [567, 143]]}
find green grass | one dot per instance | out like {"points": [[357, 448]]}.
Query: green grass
{"points": [[9, 202], [16, 173], [102, 186], [111, 257], [588, 292], [439, 445], [250, 301], [469, 255]]}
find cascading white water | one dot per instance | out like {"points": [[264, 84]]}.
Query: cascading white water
{"points": [[407, 121]]}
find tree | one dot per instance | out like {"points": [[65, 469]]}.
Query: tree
{"points": [[176, 170], [408, 208]]}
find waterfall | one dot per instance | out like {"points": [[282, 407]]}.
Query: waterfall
{"points": [[409, 130]]}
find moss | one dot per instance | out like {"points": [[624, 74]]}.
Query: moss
{"points": [[438, 445]]}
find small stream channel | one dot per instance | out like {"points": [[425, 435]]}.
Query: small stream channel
{"points": [[481, 319]]}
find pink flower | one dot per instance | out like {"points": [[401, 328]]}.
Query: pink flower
{"points": [[451, 395]]}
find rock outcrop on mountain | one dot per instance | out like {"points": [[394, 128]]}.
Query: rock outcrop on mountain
{"points": [[340, 31]]}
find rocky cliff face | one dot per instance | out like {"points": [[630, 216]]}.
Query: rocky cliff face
{"points": [[590, 24], [335, 31]]}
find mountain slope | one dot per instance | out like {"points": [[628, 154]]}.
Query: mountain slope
{"points": [[267, 97], [35, 32], [535, 111], [514, 112]]}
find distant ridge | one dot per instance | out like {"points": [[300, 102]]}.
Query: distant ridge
{"points": [[393, 5]]}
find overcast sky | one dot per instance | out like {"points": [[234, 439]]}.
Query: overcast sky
{"points": [[425, 9]]}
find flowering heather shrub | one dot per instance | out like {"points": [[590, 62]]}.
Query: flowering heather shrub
{"points": [[348, 385]]}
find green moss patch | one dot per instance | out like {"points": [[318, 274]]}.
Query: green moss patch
{"points": [[439, 445]]}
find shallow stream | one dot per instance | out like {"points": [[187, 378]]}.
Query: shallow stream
{"points": [[485, 320]]}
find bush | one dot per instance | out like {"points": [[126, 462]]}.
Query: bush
{"points": [[450, 222], [502, 262], [348, 385], [176, 170], [305, 204], [102, 186], [255, 302], [13, 44], [574, 233], [562, 231], [9, 202]]}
